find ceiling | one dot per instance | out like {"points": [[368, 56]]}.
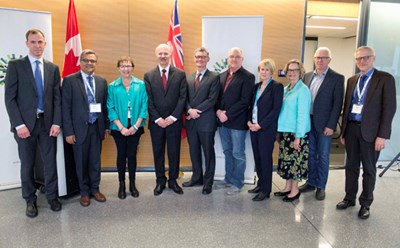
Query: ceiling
{"points": [[350, 28]]}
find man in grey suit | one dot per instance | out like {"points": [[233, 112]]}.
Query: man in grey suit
{"points": [[33, 102], [327, 89], [201, 121], [166, 88], [84, 99], [369, 108]]}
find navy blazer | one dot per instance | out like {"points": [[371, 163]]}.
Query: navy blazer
{"points": [[237, 98], [379, 106], [327, 105], [269, 105], [75, 106], [204, 99], [21, 94]]}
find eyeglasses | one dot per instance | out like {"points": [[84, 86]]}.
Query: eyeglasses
{"points": [[92, 61], [321, 58], [200, 57], [235, 57], [364, 58], [125, 66], [293, 70]]}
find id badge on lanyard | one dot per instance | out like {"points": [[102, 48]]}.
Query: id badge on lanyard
{"points": [[357, 107]]}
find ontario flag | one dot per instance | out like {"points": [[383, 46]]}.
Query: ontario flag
{"points": [[73, 47]]}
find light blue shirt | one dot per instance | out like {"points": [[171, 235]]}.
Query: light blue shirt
{"points": [[295, 113]]}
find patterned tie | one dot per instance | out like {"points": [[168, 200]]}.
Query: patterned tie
{"points": [[197, 81], [39, 85], [91, 99], [164, 79]]}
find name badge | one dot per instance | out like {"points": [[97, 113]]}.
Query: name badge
{"points": [[95, 108], [357, 108]]}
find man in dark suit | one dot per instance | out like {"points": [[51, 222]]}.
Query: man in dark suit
{"points": [[201, 121], [166, 88], [33, 102], [233, 102], [327, 89], [369, 108], [84, 98]]}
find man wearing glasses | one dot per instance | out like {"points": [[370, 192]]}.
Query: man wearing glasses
{"points": [[201, 122], [235, 97], [84, 98], [326, 87], [369, 107]]}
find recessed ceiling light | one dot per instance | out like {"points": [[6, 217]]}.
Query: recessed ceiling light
{"points": [[325, 27], [334, 18]]}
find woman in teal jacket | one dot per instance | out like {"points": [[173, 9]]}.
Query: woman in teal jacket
{"points": [[127, 111], [293, 126]]}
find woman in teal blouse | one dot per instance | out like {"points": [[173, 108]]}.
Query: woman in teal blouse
{"points": [[293, 126], [127, 111]]}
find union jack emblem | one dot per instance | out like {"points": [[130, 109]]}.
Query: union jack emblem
{"points": [[175, 38]]}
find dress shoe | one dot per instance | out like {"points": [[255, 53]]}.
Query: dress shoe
{"points": [[279, 193], [261, 196], [121, 190], [191, 183], [255, 190], [99, 197], [207, 190], [364, 212], [345, 204], [320, 194], [134, 191], [290, 199], [306, 188], [176, 188], [159, 189], [85, 200], [31, 209], [55, 205]]}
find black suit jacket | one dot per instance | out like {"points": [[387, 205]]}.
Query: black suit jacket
{"points": [[163, 103], [236, 99], [21, 94], [327, 105], [204, 99], [269, 105], [379, 106], [76, 109]]}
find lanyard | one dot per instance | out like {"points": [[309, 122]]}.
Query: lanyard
{"points": [[90, 88], [360, 94]]}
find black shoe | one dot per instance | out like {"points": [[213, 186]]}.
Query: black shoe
{"points": [[207, 190], [306, 188], [159, 189], [279, 193], [320, 194], [134, 191], [192, 183], [261, 196], [121, 190], [175, 187], [31, 209], [345, 204], [290, 199], [364, 212], [254, 190], [55, 205]]}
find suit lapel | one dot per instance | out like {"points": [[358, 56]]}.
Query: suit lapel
{"points": [[29, 72], [325, 82], [372, 85], [191, 79], [46, 74], [170, 77], [81, 85]]}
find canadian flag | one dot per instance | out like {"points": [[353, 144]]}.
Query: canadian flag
{"points": [[73, 47]]}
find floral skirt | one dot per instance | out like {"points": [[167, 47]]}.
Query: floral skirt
{"points": [[293, 164]]}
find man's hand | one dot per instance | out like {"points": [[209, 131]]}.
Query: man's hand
{"points": [[379, 144], [162, 123], [342, 141], [221, 114], [70, 139], [54, 131], [194, 113], [328, 131], [169, 120], [23, 132]]}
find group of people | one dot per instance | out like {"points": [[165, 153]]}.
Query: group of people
{"points": [[301, 117]]}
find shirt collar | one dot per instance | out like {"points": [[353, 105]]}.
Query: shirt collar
{"points": [[323, 74], [33, 59], [369, 73], [202, 72], [166, 68]]}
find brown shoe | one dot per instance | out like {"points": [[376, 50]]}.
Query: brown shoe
{"points": [[85, 200], [99, 197]]}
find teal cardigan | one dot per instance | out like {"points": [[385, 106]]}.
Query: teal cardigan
{"points": [[117, 102], [295, 112]]}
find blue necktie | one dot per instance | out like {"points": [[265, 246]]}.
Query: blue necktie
{"points": [[91, 99], [362, 81], [39, 86]]}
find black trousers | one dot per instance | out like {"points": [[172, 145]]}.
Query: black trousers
{"points": [[263, 145], [127, 150], [358, 150], [27, 154]]}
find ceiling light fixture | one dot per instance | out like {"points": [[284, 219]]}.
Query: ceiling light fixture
{"points": [[324, 27], [333, 18]]}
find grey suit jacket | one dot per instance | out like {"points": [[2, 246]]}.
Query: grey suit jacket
{"points": [[204, 99], [163, 103], [75, 106], [21, 94], [327, 105]]}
